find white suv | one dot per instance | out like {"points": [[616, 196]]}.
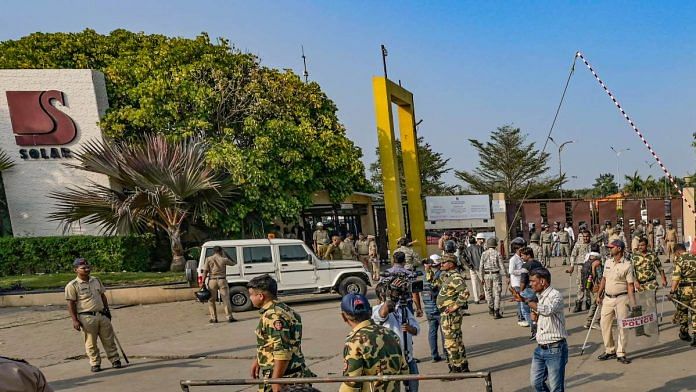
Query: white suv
{"points": [[293, 265]]}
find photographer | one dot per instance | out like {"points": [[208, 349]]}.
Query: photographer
{"points": [[393, 313], [429, 296], [398, 268]]}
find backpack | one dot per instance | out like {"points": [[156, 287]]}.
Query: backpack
{"points": [[586, 272]]}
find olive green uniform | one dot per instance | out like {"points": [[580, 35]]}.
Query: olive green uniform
{"points": [[412, 260], [452, 292], [685, 273], [89, 305], [372, 350], [347, 250], [577, 258], [321, 240], [333, 252], [644, 266], [362, 248], [279, 337]]}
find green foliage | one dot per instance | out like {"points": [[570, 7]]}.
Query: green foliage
{"points": [[605, 185], [27, 255], [507, 164], [432, 168], [5, 161], [277, 137]]}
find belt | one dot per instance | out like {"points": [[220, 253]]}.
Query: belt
{"points": [[552, 345], [546, 242], [564, 242], [491, 272], [218, 277], [687, 284], [89, 313], [615, 296]]}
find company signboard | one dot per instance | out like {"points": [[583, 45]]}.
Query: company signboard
{"points": [[458, 207], [45, 115]]}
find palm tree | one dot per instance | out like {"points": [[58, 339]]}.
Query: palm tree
{"points": [[634, 184], [5, 161], [155, 184]]}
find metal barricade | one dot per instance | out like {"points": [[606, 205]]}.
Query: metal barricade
{"points": [[186, 384]]}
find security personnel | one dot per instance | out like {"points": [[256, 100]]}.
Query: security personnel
{"points": [[577, 259], [88, 308], [348, 248], [684, 290], [492, 269], [659, 237], [546, 245], [320, 239], [17, 375], [362, 248], [564, 239], [412, 259], [215, 268], [451, 300], [670, 241], [370, 349], [607, 232], [333, 251], [651, 235], [278, 336], [534, 244], [645, 263]]}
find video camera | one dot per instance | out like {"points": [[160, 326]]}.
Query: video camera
{"points": [[399, 286]]}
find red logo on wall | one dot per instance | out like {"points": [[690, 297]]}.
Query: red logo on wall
{"points": [[36, 122]]}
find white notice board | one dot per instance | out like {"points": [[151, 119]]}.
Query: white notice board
{"points": [[458, 207]]}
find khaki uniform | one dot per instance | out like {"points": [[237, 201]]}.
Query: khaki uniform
{"points": [[347, 250], [644, 266], [362, 247], [279, 337], [492, 269], [546, 247], [321, 239], [88, 301], [670, 242], [452, 292], [564, 239], [615, 303], [216, 265], [536, 248], [373, 257], [651, 235], [685, 273], [372, 350], [412, 259], [333, 252], [16, 376], [577, 258], [659, 239]]}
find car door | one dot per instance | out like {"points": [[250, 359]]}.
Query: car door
{"points": [[258, 260], [295, 267], [232, 271]]}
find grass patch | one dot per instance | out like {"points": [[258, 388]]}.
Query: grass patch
{"points": [[54, 281]]}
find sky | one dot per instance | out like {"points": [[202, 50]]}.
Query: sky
{"points": [[472, 66]]}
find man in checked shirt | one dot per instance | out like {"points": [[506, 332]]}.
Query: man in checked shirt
{"points": [[551, 354]]}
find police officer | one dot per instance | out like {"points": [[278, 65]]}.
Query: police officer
{"points": [[659, 237], [492, 269], [278, 336], [534, 244], [362, 248], [650, 230], [432, 313], [88, 308], [412, 259], [215, 268], [333, 251], [670, 241], [546, 245], [370, 349], [17, 375], [347, 247], [684, 290], [577, 259], [564, 239], [451, 301], [320, 239]]}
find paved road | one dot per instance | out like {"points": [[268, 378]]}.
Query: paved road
{"points": [[169, 342]]}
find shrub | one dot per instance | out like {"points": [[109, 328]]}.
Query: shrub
{"points": [[27, 255]]}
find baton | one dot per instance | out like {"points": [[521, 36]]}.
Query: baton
{"points": [[594, 317], [682, 304], [570, 289], [125, 357]]}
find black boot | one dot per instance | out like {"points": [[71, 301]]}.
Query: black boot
{"points": [[491, 311], [588, 304], [465, 367], [578, 307], [693, 341], [497, 314], [684, 334]]}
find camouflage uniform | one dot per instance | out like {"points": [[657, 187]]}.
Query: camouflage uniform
{"points": [[453, 292], [577, 258], [372, 350], [685, 273], [333, 252], [412, 259], [546, 246], [492, 270], [279, 337], [564, 239], [644, 266]]}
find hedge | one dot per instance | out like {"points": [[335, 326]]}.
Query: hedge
{"points": [[28, 255]]}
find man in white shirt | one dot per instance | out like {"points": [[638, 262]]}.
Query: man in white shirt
{"points": [[515, 272], [571, 233]]}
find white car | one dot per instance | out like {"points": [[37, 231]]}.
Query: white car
{"points": [[291, 262]]}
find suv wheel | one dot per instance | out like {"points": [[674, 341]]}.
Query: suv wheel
{"points": [[192, 272], [352, 284], [239, 297]]}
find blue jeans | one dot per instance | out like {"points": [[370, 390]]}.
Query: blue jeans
{"points": [[412, 369], [527, 293], [548, 368], [433, 330]]}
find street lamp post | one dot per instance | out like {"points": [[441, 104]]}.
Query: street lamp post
{"points": [[560, 166], [618, 157]]}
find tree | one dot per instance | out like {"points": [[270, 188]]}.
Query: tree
{"points": [[279, 138], [432, 167], [605, 185], [507, 164], [635, 185], [155, 183], [5, 163]]}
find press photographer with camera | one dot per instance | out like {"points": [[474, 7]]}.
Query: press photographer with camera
{"points": [[398, 268], [393, 313]]}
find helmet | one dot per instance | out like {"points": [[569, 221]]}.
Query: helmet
{"points": [[618, 227], [203, 295], [607, 222], [519, 241], [480, 236], [534, 238], [656, 221], [491, 242], [403, 241], [319, 224], [450, 247]]}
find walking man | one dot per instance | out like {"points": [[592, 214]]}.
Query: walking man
{"points": [[432, 313], [670, 241], [215, 268], [577, 260], [546, 243], [278, 336], [88, 309], [684, 290], [492, 269], [564, 239], [615, 295], [551, 354], [659, 237], [473, 253]]}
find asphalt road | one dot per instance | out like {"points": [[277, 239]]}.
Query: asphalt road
{"points": [[170, 342]]}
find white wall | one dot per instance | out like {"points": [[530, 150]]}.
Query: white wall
{"points": [[28, 184]]}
